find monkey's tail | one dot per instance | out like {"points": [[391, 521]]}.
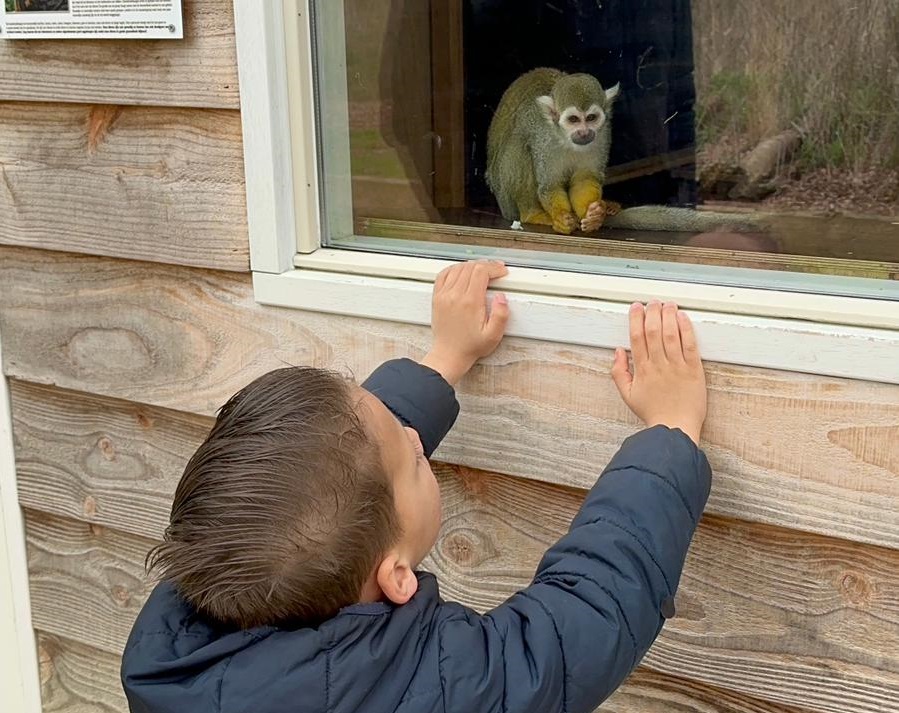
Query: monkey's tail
{"points": [[661, 217]]}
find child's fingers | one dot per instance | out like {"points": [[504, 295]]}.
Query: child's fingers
{"points": [[688, 338], [478, 279], [637, 334], [440, 282], [653, 330], [456, 275], [483, 271], [670, 333], [621, 375], [497, 269], [499, 317], [465, 272]]}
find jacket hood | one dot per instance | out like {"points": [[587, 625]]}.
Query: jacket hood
{"points": [[177, 661]]}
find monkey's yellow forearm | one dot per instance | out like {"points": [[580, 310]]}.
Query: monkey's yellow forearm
{"points": [[585, 190]]}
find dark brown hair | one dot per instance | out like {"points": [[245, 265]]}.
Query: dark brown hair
{"points": [[284, 510]]}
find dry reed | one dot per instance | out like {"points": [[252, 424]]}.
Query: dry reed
{"points": [[829, 68]]}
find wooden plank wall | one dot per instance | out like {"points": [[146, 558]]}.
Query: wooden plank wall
{"points": [[127, 318]]}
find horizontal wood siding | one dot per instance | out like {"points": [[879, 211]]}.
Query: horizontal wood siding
{"points": [[765, 612], [81, 679], [805, 452], [165, 185], [87, 581], [198, 71]]}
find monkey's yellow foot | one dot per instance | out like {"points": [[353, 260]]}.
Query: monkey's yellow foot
{"points": [[612, 208], [565, 223], [536, 217], [595, 217]]}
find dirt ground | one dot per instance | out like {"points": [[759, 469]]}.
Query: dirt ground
{"points": [[832, 192]]}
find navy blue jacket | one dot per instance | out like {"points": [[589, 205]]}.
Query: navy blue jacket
{"points": [[597, 602]]}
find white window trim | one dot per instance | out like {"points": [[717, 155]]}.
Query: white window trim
{"points": [[19, 678], [819, 334]]}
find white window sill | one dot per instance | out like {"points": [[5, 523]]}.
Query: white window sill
{"points": [[735, 326]]}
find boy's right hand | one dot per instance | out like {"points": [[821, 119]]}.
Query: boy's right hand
{"points": [[668, 384], [464, 328]]}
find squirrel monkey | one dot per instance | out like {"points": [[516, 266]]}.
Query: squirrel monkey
{"points": [[547, 153], [547, 150]]}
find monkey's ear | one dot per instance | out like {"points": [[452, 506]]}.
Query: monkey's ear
{"points": [[548, 106], [612, 92]]}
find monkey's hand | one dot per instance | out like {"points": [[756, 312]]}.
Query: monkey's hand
{"points": [[612, 208], [557, 205], [595, 217], [564, 222]]}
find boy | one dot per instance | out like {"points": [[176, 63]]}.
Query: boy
{"points": [[290, 561]]}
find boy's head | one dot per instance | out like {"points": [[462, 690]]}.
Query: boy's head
{"points": [[306, 496]]}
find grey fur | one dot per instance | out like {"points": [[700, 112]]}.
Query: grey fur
{"points": [[662, 217], [528, 155]]}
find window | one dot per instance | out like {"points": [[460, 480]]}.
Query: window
{"points": [[314, 104], [771, 129]]}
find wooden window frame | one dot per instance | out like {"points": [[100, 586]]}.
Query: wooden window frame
{"points": [[820, 334]]}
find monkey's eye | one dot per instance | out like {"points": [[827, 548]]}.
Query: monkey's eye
{"points": [[591, 117], [573, 119]]}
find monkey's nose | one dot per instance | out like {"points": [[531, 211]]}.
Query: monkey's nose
{"points": [[582, 137]]}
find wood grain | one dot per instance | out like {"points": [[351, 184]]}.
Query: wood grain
{"points": [[87, 581], [198, 71], [651, 692], [764, 612], [156, 184], [808, 452], [78, 679], [771, 613], [477, 228], [101, 461]]}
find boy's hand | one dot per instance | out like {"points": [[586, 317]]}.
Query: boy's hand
{"points": [[668, 384], [464, 329]]}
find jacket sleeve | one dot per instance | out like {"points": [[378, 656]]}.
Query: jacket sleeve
{"points": [[418, 396], [599, 597]]}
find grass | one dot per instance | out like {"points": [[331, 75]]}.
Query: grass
{"points": [[829, 69]]}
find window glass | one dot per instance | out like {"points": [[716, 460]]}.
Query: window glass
{"points": [[679, 138]]}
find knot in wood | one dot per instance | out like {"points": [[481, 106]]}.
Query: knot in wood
{"points": [[106, 448], [89, 508], [467, 548], [855, 588], [121, 595]]}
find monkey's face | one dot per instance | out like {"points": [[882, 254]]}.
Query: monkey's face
{"points": [[578, 109], [580, 126]]}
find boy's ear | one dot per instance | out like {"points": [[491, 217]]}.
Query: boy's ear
{"points": [[396, 579]]}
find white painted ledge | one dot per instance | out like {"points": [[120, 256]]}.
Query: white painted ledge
{"points": [[793, 345], [806, 306], [19, 680]]}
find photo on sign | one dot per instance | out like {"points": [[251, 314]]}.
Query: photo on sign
{"points": [[37, 5]]}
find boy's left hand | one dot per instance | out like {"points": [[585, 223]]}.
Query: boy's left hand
{"points": [[464, 328]]}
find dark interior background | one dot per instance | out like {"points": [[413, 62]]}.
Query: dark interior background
{"points": [[647, 45]]}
